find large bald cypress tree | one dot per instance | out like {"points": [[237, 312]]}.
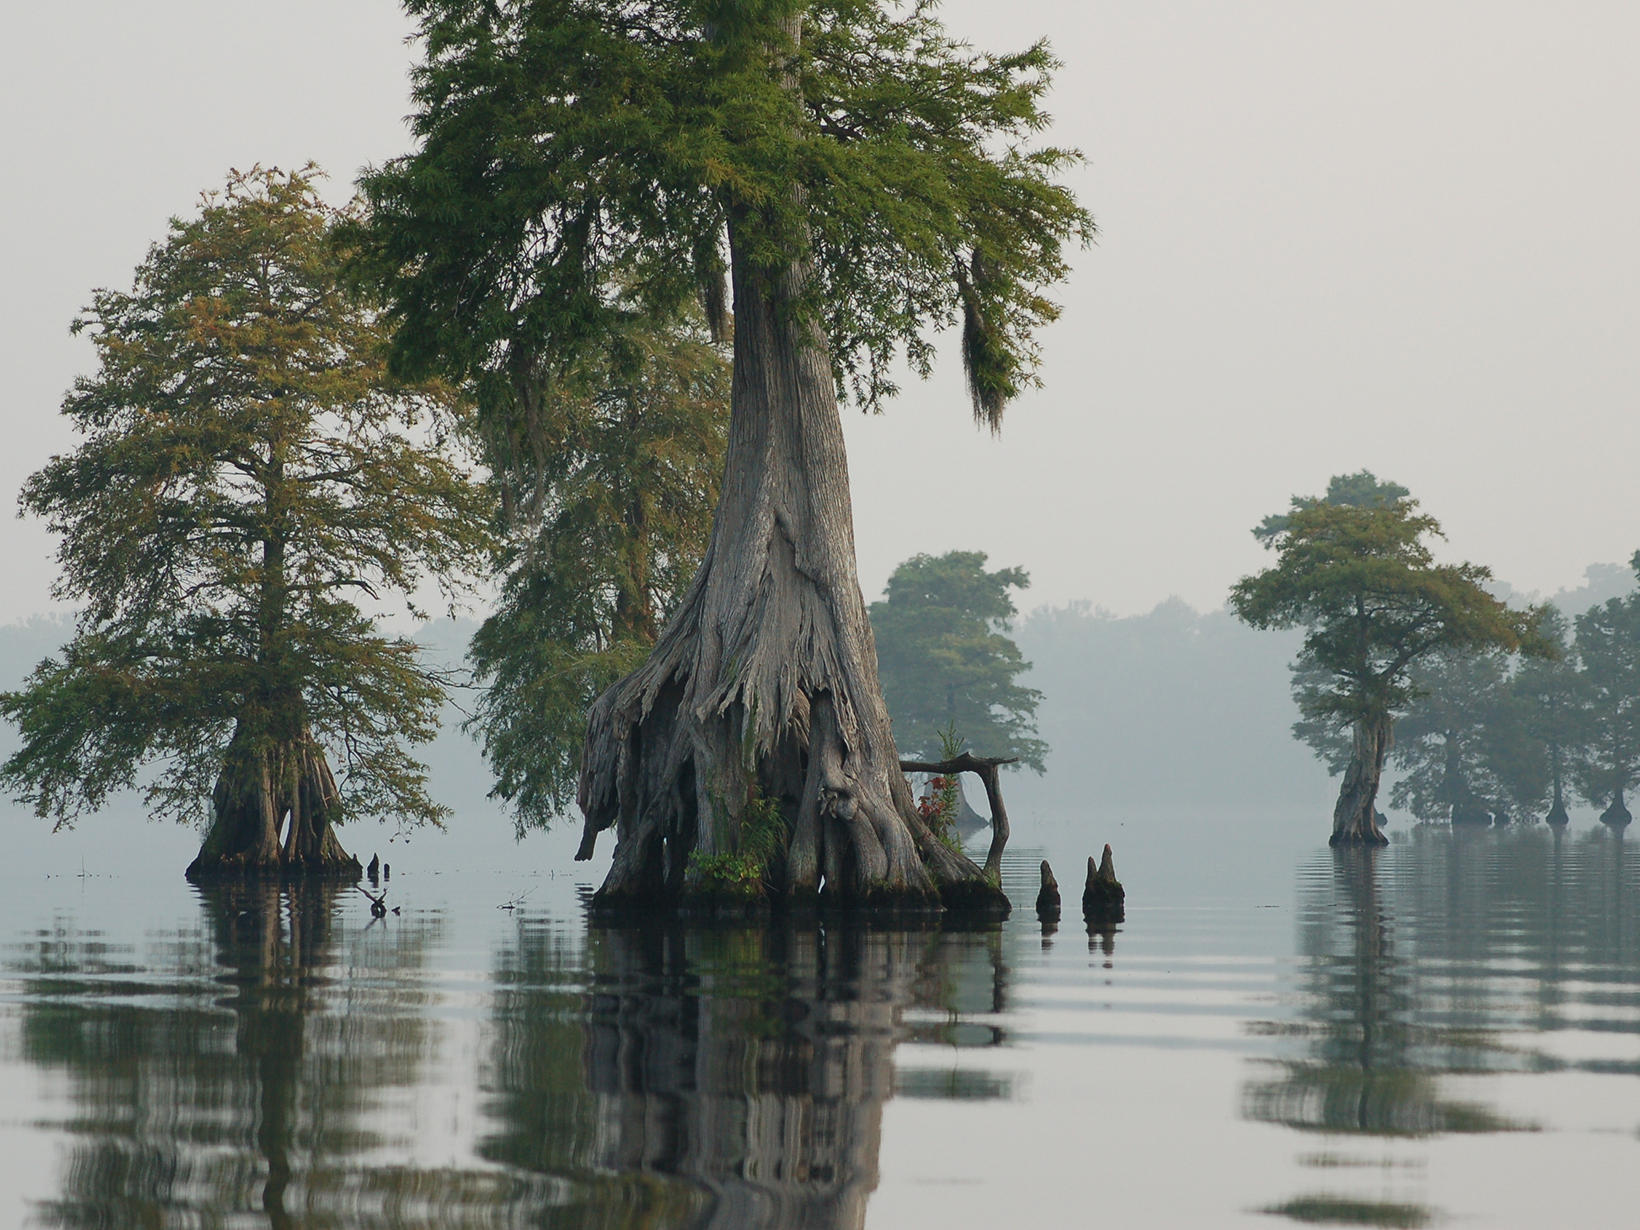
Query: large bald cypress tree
{"points": [[848, 179]]}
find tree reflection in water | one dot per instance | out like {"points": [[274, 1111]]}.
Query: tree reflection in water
{"points": [[736, 1076], [1461, 954], [235, 1076], [272, 1068]]}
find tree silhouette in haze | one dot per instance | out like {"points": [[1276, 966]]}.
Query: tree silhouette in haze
{"points": [[1607, 766], [947, 664], [1360, 579]]}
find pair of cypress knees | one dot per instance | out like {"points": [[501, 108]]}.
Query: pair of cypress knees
{"points": [[1102, 898]]}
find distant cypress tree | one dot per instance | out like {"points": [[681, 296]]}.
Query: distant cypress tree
{"points": [[946, 662], [1607, 766], [1357, 575], [1547, 689], [1463, 747]]}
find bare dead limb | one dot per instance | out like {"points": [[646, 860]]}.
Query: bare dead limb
{"points": [[985, 768]]}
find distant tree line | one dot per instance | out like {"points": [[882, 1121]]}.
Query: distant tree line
{"points": [[1500, 738]]}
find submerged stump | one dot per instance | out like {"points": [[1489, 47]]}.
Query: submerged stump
{"points": [[1103, 898], [1047, 900]]}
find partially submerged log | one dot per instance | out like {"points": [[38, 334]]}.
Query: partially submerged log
{"points": [[1103, 898], [1047, 901]]}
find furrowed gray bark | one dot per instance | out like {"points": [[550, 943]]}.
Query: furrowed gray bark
{"points": [[764, 686], [1355, 817]]}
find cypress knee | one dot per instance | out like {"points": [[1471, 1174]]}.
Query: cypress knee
{"points": [[1047, 901], [1103, 899]]}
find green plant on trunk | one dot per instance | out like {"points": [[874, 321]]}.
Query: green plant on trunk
{"points": [[1359, 577], [940, 805], [248, 469], [744, 871]]}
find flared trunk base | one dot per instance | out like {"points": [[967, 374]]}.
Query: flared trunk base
{"points": [[1355, 817], [1616, 816], [265, 787]]}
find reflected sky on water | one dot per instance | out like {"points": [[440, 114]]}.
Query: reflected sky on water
{"points": [[1445, 1030]]}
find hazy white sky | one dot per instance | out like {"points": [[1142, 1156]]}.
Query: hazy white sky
{"points": [[1393, 235]]}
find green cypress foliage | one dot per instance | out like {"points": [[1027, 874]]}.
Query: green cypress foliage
{"points": [[248, 470], [607, 491], [947, 664]]}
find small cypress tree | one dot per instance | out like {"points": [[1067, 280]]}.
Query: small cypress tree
{"points": [[1359, 576], [248, 468]]}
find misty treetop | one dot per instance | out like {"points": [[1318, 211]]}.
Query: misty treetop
{"points": [[1360, 578], [947, 664], [249, 470], [1363, 489]]}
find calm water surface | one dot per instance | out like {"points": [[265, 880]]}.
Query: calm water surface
{"points": [[1446, 1031]]}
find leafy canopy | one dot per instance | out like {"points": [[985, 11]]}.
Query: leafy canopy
{"points": [[1361, 579], [582, 161], [945, 663], [607, 496], [249, 467], [1359, 490]]}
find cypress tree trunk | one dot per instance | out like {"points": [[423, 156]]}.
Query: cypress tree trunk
{"points": [[763, 687], [265, 782], [1617, 814], [1355, 817], [1557, 816]]}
